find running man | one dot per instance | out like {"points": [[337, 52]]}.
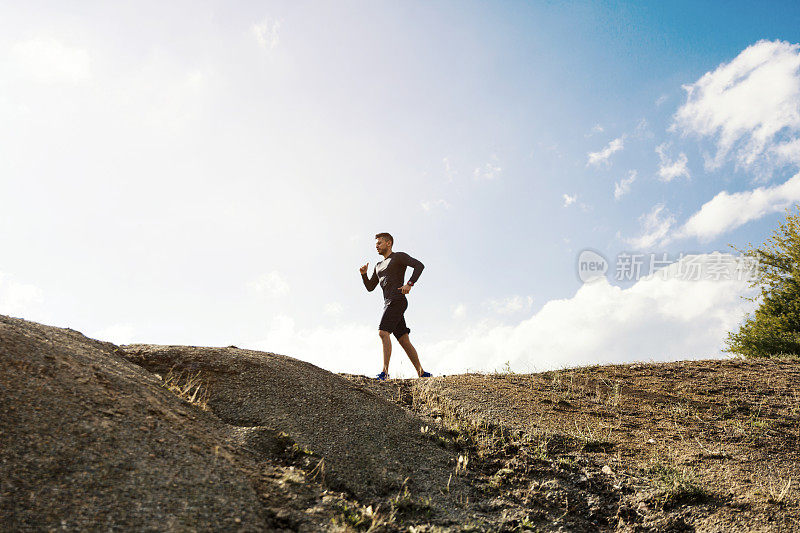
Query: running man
{"points": [[390, 274]]}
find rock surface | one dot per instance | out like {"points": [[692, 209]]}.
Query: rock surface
{"points": [[89, 439], [181, 438], [370, 445]]}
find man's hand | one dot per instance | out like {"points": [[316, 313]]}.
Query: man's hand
{"points": [[405, 289], [363, 269]]}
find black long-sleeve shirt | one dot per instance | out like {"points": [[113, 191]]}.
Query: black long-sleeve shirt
{"points": [[390, 274]]}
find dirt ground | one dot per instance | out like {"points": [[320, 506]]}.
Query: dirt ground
{"points": [[183, 438], [697, 445]]}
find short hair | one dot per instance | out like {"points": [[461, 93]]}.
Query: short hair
{"points": [[385, 236]]}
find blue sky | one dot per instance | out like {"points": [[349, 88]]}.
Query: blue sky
{"points": [[214, 174]]}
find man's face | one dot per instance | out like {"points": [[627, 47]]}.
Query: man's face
{"points": [[382, 245]]}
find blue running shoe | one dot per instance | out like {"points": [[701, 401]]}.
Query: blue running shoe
{"points": [[383, 376], [426, 375]]}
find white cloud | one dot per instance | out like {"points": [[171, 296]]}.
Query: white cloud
{"points": [[668, 169], [267, 33], [726, 211], [747, 104], [659, 318], [281, 338], [596, 158], [354, 348], [510, 304], [788, 152], [449, 171], [569, 200], [751, 108], [116, 333], [334, 309], [664, 316], [270, 283], [623, 186], [642, 130], [550, 147], [597, 128], [159, 100], [18, 299], [661, 100], [656, 226], [50, 61], [427, 205], [489, 171]]}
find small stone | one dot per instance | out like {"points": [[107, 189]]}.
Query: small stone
{"points": [[607, 470], [651, 441]]}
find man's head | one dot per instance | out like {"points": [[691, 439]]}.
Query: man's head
{"points": [[383, 243]]}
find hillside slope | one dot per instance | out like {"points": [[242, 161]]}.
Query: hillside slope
{"points": [[90, 439], [705, 445], [201, 438], [370, 445], [190, 438]]}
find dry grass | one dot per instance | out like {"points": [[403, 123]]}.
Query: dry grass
{"points": [[353, 517], [777, 490], [672, 483], [188, 386], [717, 436], [592, 437], [643, 446]]}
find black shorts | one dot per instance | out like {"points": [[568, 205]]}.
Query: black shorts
{"points": [[393, 320]]}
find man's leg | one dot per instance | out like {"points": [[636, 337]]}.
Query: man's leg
{"points": [[392, 315], [386, 339], [405, 342]]}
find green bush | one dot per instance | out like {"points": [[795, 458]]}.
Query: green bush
{"points": [[774, 328]]}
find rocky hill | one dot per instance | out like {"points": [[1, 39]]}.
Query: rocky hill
{"points": [[182, 438]]}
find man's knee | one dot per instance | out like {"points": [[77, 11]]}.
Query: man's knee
{"points": [[384, 335], [404, 340]]}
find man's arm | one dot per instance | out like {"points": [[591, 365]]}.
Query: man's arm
{"points": [[415, 264], [369, 283]]}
